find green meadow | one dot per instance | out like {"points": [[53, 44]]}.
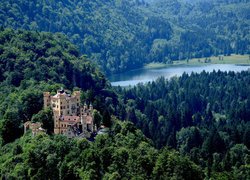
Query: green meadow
{"points": [[233, 59]]}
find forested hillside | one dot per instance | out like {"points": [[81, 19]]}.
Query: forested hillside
{"points": [[204, 116], [189, 127], [207, 27], [31, 63], [126, 154], [125, 34]]}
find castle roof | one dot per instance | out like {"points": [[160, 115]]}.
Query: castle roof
{"points": [[64, 93], [89, 120], [70, 119], [61, 94]]}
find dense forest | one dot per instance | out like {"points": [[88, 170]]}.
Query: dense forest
{"points": [[123, 154], [194, 126], [31, 63], [125, 34], [204, 116]]}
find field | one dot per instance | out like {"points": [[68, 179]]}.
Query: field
{"points": [[233, 59]]}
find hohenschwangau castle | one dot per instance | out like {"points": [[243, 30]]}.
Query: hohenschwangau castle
{"points": [[70, 118]]}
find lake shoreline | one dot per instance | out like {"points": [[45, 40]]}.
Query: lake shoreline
{"points": [[238, 60], [143, 75], [244, 61]]}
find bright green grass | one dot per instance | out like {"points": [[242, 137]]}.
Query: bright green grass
{"points": [[155, 65], [233, 59]]}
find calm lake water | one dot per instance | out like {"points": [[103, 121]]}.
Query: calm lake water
{"points": [[145, 75]]}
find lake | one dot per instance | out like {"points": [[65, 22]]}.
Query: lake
{"points": [[145, 75]]}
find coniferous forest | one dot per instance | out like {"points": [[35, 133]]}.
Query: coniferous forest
{"points": [[204, 116], [195, 126], [122, 35]]}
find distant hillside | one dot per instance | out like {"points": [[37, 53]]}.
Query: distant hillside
{"points": [[207, 27], [108, 31], [123, 35]]}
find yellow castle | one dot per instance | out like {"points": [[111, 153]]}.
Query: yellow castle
{"points": [[70, 118]]}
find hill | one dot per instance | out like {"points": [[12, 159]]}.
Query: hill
{"points": [[125, 153], [33, 62], [123, 35], [202, 116]]}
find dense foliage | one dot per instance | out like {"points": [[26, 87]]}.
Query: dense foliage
{"points": [[125, 34], [123, 154], [208, 27], [31, 63], [204, 116]]}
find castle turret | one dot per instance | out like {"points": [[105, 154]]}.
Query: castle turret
{"points": [[91, 107], [46, 99], [77, 95], [85, 106], [81, 120]]}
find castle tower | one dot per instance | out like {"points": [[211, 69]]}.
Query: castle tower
{"points": [[91, 107], [46, 99], [77, 95], [57, 125], [85, 106]]}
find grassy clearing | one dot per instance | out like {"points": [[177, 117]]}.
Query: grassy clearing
{"points": [[233, 59], [155, 65]]}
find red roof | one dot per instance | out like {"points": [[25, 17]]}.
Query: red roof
{"points": [[89, 120], [70, 118]]}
